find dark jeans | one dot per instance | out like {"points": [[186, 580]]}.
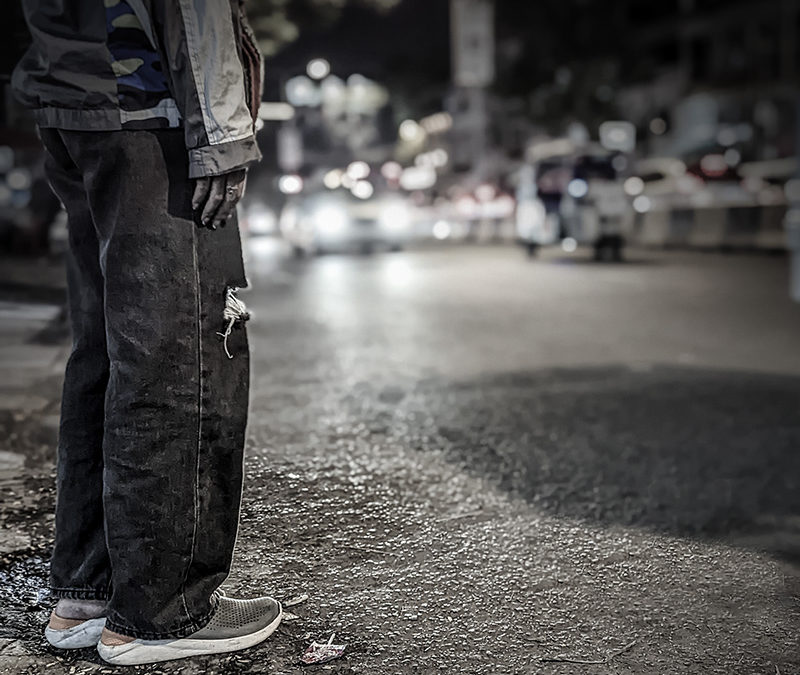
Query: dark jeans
{"points": [[150, 456]]}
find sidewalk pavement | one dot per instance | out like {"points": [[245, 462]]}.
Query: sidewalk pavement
{"points": [[33, 349], [33, 340]]}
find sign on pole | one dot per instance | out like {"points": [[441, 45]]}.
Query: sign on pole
{"points": [[473, 42], [619, 136]]}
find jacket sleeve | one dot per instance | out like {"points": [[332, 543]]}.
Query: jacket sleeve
{"points": [[210, 73]]}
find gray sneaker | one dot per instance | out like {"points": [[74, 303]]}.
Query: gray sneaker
{"points": [[235, 625]]}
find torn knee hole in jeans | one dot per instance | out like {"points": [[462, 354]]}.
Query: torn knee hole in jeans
{"points": [[234, 314]]}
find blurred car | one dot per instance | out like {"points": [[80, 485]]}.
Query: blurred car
{"points": [[595, 210], [766, 181], [28, 207], [663, 183], [339, 221], [667, 184], [484, 212], [257, 219]]}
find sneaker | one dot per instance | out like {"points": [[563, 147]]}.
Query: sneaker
{"points": [[73, 633], [236, 624]]}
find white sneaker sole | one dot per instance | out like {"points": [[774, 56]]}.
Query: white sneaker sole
{"points": [[86, 634], [140, 652]]}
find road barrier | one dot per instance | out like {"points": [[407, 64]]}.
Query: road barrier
{"points": [[711, 228], [731, 228]]}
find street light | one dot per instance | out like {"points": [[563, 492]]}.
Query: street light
{"points": [[363, 189], [411, 131], [333, 179], [392, 171], [578, 188], [291, 184], [318, 69], [358, 170], [618, 135], [658, 126], [642, 204], [634, 186]]}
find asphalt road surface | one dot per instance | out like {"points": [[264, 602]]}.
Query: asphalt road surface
{"points": [[474, 463]]}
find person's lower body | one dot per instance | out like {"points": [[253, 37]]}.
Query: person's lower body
{"points": [[151, 447]]}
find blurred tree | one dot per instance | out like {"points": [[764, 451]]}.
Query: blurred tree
{"points": [[280, 22]]}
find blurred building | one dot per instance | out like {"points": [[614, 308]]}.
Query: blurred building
{"points": [[717, 42], [717, 73]]}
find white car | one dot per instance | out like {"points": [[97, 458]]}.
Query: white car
{"points": [[338, 221], [663, 184], [596, 212], [575, 200]]}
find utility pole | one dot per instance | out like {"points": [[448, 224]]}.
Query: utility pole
{"points": [[473, 63], [789, 12], [792, 221]]}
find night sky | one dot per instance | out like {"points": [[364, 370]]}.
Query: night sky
{"points": [[408, 47]]}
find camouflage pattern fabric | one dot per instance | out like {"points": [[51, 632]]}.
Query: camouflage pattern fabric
{"points": [[95, 66], [144, 97]]}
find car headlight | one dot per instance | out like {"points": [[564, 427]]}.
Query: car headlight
{"points": [[331, 219], [395, 217]]}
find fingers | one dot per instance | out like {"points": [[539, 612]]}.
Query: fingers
{"points": [[201, 187], [225, 211], [233, 192], [216, 195]]}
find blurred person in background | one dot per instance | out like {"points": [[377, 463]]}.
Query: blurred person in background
{"points": [[146, 110]]}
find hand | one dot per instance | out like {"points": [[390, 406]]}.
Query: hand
{"points": [[216, 197]]}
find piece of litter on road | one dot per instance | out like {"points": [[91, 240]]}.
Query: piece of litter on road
{"points": [[38, 598], [296, 600], [321, 652], [288, 616]]}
